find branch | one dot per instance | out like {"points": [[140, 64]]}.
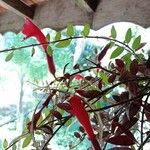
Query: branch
{"points": [[114, 105], [43, 147], [142, 119], [70, 38]]}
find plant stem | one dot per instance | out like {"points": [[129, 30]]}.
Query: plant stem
{"points": [[117, 104], [142, 119], [70, 38], [43, 147], [141, 146]]}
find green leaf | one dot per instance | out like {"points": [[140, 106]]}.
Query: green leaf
{"points": [[112, 44], [27, 141], [113, 32], [86, 30], [136, 42], [97, 104], [70, 30], [49, 51], [33, 51], [5, 144], [58, 36], [127, 57], [14, 147], [141, 57], [9, 56], [48, 37], [68, 123], [104, 77], [61, 111], [63, 44], [117, 52], [47, 112], [127, 60], [40, 120], [128, 35]]}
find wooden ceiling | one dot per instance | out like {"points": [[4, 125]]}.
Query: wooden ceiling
{"points": [[28, 3], [26, 8]]}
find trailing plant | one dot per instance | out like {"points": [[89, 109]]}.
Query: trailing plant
{"points": [[88, 94]]}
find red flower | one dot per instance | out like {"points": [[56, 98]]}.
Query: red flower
{"points": [[79, 77], [78, 110], [29, 29]]}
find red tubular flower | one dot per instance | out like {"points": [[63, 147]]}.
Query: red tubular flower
{"points": [[78, 110], [29, 29]]}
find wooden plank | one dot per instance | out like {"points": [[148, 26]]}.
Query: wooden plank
{"points": [[18, 7], [88, 5], [32, 2], [2, 9]]}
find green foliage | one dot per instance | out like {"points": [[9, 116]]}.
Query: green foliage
{"points": [[58, 36], [50, 50], [5, 144], [86, 30], [48, 37], [128, 35], [70, 30], [14, 147], [117, 52], [63, 44], [113, 32], [69, 122], [27, 141], [9, 56], [136, 42], [104, 77], [33, 52]]}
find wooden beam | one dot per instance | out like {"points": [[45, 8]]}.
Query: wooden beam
{"points": [[18, 7], [88, 5]]}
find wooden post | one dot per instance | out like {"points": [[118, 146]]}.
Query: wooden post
{"points": [[18, 7]]}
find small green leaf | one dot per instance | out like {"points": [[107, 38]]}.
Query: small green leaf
{"points": [[14, 147], [27, 141], [127, 60], [61, 111], [112, 44], [141, 57], [9, 56], [48, 37], [136, 42], [127, 57], [141, 46], [40, 120], [128, 35], [5, 144], [33, 51], [63, 44], [58, 36], [117, 52], [97, 104], [86, 30], [68, 123], [70, 30], [49, 51], [104, 77], [113, 32], [47, 112]]}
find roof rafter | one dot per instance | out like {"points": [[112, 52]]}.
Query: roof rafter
{"points": [[88, 5], [18, 7]]}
